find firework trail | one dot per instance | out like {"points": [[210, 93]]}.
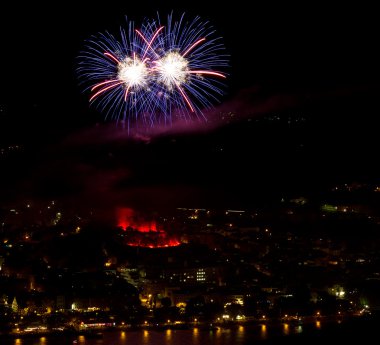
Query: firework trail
{"points": [[154, 73]]}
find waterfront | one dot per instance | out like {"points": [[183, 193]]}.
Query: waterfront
{"points": [[237, 334]]}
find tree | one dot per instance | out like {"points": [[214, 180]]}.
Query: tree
{"points": [[14, 305]]}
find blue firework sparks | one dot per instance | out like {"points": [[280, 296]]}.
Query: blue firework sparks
{"points": [[155, 72]]}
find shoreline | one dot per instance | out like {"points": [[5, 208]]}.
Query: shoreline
{"points": [[202, 326]]}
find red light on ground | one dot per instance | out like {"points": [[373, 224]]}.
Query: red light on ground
{"points": [[144, 233]]}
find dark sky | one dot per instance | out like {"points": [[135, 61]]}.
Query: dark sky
{"points": [[314, 66]]}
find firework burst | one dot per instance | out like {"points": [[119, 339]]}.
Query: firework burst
{"points": [[155, 72]]}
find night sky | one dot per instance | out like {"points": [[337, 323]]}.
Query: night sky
{"points": [[303, 87]]}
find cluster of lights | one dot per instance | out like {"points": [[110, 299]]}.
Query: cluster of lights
{"points": [[201, 275]]}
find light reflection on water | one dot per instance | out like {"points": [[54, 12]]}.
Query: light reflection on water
{"points": [[168, 336], [263, 331], [195, 336], [123, 337], [236, 335], [145, 339], [286, 329]]}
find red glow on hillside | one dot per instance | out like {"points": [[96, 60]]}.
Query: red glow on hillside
{"points": [[143, 233], [127, 218]]}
